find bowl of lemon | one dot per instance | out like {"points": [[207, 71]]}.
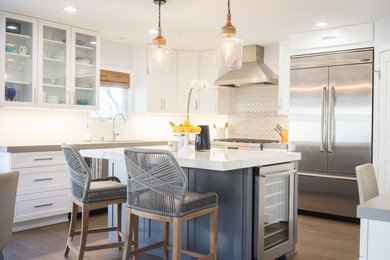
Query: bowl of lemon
{"points": [[185, 129]]}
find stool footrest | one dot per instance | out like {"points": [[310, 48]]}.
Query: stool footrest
{"points": [[194, 254], [147, 248], [97, 230], [104, 246]]}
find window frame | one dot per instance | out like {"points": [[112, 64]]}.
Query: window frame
{"points": [[125, 93]]}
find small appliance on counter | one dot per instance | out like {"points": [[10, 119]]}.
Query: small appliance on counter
{"points": [[202, 140]]}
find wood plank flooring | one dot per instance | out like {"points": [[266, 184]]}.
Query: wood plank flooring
{"points": [[318, 239]]}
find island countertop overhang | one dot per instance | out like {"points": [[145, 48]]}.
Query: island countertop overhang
{"points": [[219, 159]]}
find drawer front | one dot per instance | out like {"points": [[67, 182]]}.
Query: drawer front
{"points": [[24, 160], [40, 179], [40, 205]]}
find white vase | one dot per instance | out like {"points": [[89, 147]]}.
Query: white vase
{"points": [[180, 140]]}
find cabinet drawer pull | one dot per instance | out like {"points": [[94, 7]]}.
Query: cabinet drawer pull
{"points": [[43, 205], [44, 179], [43, 159]]}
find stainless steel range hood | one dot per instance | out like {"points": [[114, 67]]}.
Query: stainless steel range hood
{"points": [[252, 72]]}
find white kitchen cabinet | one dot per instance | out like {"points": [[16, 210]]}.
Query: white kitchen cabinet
{"points": [[215, 101], [169, 93], [43, 194], [341, 36], [18, 58], [188, 63], [48, 64], [161, 91], [284, 77]]}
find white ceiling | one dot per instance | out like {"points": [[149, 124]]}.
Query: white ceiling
{"points": [[195, 24]]}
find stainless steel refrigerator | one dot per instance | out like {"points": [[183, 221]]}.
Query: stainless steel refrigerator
{"points": [[330, 123]]}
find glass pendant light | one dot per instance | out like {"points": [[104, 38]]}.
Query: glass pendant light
{"points": [[159, 54], [228, 47]]}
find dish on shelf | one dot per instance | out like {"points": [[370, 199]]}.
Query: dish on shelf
{"points": [[52, 99], [60, 81], [59, 57], [83, 60], [13, 27], [80, 42], [10, 47], [47, 80], [83, 85], [82, 102]]}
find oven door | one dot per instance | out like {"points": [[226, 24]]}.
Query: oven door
{"points": [[276, 211]]}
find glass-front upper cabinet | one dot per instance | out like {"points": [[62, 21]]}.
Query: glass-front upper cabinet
{"points": [[54, 64], [18, 43], [86, 70]]}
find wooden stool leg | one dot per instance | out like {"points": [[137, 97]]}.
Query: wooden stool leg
{"points": [[177, 233], [84, 230], [166, 240], [119, 222], [214, 233], [129, 235], [135, 234], [72, 225]]}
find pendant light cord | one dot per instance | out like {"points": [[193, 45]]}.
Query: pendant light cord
{"points": [[159, 13], [228, 6]]}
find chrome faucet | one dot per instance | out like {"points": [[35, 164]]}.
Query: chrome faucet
{"points": [[114, 134]]}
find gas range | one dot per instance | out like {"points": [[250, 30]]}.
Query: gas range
{"points": [[241, 143]]}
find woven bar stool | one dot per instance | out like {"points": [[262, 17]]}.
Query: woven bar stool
{"points": [[157, 189], [91, 193]]}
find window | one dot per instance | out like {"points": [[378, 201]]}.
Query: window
{"points": [[112, 101]]}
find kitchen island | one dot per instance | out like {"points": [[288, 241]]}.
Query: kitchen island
{"points": [[257, 201], [374, 217]]}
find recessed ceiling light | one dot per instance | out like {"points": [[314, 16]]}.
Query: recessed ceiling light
{"points": [[71, 9], [321, 24], [153, 31]]}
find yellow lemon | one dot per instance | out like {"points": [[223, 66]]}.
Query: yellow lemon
{"points": [[186, 123], [180, 129], [176, 129], [196, 129], [187, 129]]}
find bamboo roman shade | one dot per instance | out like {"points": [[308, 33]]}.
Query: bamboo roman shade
{"points": [[114, 79]]}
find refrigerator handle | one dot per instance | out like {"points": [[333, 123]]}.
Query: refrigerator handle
{"points": [[322, 118], [330, 119]]}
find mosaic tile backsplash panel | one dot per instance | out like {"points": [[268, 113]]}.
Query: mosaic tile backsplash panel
{"points": [[253, 112]]}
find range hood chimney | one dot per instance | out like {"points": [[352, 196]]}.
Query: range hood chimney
{"points": [[252, 72]]}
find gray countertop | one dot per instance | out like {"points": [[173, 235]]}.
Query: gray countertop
{"points": [[377, 208], [26, 148]]}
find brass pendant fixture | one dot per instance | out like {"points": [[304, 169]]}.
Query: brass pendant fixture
{"points": [[228, 46], [159, 54]]}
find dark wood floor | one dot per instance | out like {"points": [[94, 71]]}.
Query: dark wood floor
{"points": [[318, 239]]}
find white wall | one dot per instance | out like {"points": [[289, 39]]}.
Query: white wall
{"points": [[381, 32], [116, 55]]}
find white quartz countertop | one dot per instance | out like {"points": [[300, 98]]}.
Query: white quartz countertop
{"points": [[24, 148], [219, 159], [377, 208]]}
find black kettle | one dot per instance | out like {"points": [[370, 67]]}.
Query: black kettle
{"points": [[202, 140]]}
